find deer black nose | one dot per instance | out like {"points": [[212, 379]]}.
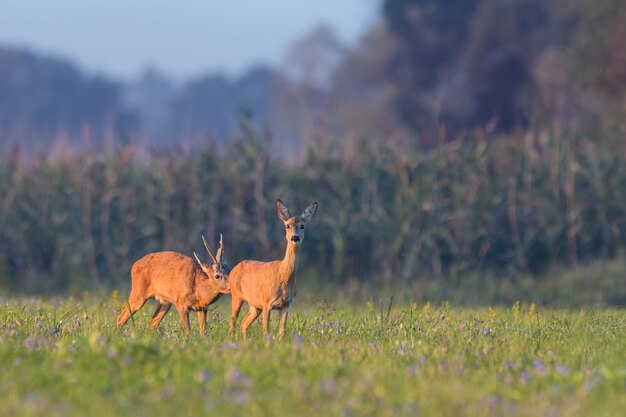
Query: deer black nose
{"points": [[295, 238]]}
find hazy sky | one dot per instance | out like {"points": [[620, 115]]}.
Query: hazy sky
{"points": [[183, 38]]}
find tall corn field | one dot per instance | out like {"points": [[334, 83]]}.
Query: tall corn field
{"points": [[390, 212]]}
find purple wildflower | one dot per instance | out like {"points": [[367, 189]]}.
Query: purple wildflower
{"points": [[493, 400], [229, 345], [540, 367], [238, 397], [298, 342], [562, 370], [203, 376], [237, 377], [524, 377], [327, 386], [591, 383], [510, 365], [31, 343]]}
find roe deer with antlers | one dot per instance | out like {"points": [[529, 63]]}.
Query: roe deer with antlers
{"points": [[173, 278], [268, 286]]}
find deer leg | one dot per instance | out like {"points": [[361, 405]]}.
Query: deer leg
{"points": [[253, 313], [134, 304], [202, 320], [284, 312], [236, 307], [266, 319], [158, 315], [184, 318]]}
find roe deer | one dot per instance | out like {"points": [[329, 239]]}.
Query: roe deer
{"points": [[173, 278], [267, 286]]}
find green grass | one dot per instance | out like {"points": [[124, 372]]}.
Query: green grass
{"points": [[64, 357]]}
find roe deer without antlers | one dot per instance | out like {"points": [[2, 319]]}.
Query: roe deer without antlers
{"points": [[173, 278], [267, 286]]}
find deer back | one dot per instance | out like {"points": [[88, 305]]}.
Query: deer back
{"points": [[167, 273], [257, 282], [174, 277]]}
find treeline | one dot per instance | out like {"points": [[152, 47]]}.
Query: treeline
{"points": [[422, 67], [47, 101], [389, 212]]}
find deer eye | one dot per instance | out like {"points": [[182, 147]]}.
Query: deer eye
{"points": [[217, 277], [288, 226], [302, 227]]}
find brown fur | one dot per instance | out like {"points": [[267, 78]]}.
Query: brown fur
{"points": [[175, 279], [267, 286]]}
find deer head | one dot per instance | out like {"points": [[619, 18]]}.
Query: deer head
{"points": [[294, 226], [218, 270]]}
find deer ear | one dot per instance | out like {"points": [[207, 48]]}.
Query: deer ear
{"points": [[282, 210], [309, 212]]}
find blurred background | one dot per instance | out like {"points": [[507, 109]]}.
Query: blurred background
{"points": [[465, 150]]}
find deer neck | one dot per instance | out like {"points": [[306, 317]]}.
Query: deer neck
{"points": [[289, 264]]}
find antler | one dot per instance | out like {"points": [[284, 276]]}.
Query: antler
{"points": [[197, 258], [206, 245], [220, 252]]}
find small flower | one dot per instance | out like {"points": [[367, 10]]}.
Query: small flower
{"points": [[591, 383], [410, 408], [524, 377], [462, 326], [203, 376], [298, 342], [31, 343], [562, 370], [540, 367], [510, 365], [236, 377], [327, 386], [111, 353], [229, 345], [493, 400], [238, 397]]}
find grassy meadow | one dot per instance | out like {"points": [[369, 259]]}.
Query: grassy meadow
{"points": [[63, 357]]}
